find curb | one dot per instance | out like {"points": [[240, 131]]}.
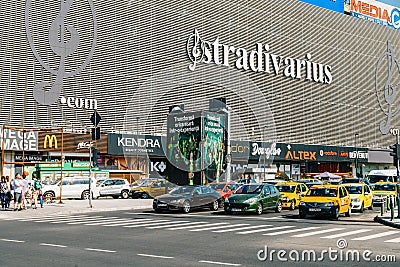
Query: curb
{"points": [[386, 222]]}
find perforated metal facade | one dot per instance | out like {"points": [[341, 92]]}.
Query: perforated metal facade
{"points": [[140, 67]]}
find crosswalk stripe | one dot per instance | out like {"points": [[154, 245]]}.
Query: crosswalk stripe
{"points": [[264, 230], [44, 217], [194, 226], [70, 219], [368, 237], [175, 224], [53, 219], [218, 227], [291, 231], [347, 233], [396, 240], [241, 228], [318, 232], [151, 224], [154, 222], [121, 220], [132, 221], [90, 219]]}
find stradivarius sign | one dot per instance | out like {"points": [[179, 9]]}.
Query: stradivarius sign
{"points": [[258, 60]]}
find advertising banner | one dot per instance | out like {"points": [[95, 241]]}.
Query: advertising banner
{"points": [[376, 12], [16, 140], [132, 144], [334, 5]]}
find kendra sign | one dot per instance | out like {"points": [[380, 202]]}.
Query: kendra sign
{"points": [[258, 60]]}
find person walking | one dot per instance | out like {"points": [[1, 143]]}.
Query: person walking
{"points": [[18, 189], [4, 188], [36, 192], [10, 193]]}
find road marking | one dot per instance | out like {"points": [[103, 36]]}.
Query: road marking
{"points": [[53, 219], [52, 245], [241, 228], [218, 227], [396, 240], [347, 233], [194, 226], [12, 240], [173, 225], [155, 256], [368, 237], [318, 232], [221, 263], [204, 216], [100, 250], [131, 221], [168, 222], [155, 222], [121, 220], [42, 217], [291, 231], [264, 230], [94, 219]]}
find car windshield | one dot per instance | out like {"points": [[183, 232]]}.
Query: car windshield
{"points": [[249, 189], [322, 192], [385, 187], [356, 189], [146, 183], [217, 186], [350, 180], [377, 178], [182, 190], [286, 188]]}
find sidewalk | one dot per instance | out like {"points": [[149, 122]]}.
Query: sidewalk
{"points": [[385, 219], [70, 207]]}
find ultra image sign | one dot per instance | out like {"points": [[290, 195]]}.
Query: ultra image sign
{"points": [[376, 12]]}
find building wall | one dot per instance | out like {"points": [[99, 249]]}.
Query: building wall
{"points": [[140, 66]]}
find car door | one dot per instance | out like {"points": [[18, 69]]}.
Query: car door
{"points": [[117, 187], [157, 188], [344, 198], [275, 196], [197, 196], [367, 196], [266, 197], [66, 189], [105, 188]]}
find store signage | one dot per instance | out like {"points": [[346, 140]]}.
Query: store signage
{"points": [[386, 87], [158, 166], [50, 141], [46, 92], [377, 12], [28, 158], [84, 145], [20, 140], [269, 150], [334, 5], [81, 103], [258, 60], [131, 144], [301, 155]]}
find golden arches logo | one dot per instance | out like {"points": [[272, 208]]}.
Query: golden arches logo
{"points": [[49, 140]]}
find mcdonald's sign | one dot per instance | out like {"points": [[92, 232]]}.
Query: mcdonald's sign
{"points": [[50, 141]]}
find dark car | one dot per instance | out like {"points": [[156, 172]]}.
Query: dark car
{"points": [[355, 181], [188, 197]]}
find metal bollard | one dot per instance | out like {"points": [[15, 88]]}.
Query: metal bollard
{"points": [[383, 207], [391, 208]]}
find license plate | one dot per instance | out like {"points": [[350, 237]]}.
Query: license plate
{"points": [[162, 205], [313, 209], [236, 210]]}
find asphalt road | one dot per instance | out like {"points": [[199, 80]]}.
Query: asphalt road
{"points": [[201, 238]]}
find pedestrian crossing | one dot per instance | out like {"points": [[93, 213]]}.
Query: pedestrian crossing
{"points": [[254, 228]]}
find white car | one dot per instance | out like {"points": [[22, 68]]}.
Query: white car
{"points": [[72, 187], [114, 187]]}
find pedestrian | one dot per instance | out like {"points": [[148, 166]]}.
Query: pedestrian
{"points": [[24, 190], [4, 189], [18, 189], [36, 192], [10, 193]]}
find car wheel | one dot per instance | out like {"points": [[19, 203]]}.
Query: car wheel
{"points": [[278, 207], [259, 210], [302, 215], [222, 203], [371, 207], [48, 197], [124, 194], [348, 213], [214, 206], [336, 214], [293, 204], [186, 206], [145, 196], [115, 197], [362, 208], [85, 194]]}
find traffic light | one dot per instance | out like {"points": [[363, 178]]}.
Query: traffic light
{"points": [[395, 153], [96, 157]]}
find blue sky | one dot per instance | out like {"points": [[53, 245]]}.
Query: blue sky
{"points": [[395, 3]]}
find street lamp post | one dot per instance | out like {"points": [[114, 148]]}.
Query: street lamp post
{"points": [[137, 141], [356, 157], [264, 154]]}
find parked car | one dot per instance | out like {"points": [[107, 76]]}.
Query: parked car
{"points": [[384, 192], [186, 198], [291, 193], [326, 199], [225, 189], [72, 187], [254, 198], [115, 188], [361, 196], [151, 188]]}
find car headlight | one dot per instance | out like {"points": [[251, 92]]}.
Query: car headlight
{"points": [[251, 200], [175, 201], [329, 204], [302, 204], [355, 200], [285, 199]]}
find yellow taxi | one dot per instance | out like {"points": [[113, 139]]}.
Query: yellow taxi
{"points": [[291, 193], [326, 199], [383, 191], [361, 196], [151, 188]]}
